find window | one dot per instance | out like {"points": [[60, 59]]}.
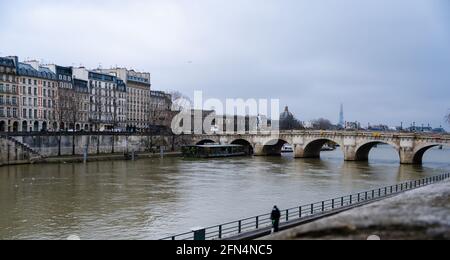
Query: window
{"points": [[35, 113], [14, 111], [8, 112], [2, 100], [35, 91], [30, 113], [29, 81], [35, 102], [35, 82], [24, 101], [29, 90], [24, 113], [2, 112]]}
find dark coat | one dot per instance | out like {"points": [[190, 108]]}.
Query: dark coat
{"points": [[276, 214]]}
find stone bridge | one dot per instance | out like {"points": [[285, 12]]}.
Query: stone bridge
{"points": [[355, 145]]}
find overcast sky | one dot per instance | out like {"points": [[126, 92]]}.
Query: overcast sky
{"points": [[386, 60]]}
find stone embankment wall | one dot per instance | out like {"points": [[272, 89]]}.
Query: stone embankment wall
{"points": [[18, 151]]}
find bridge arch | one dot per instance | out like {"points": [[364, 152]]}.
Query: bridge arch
{"points": [[274, 146], [205, 141], [249, 149], [419, 153], [314, 147], [363, 151]]}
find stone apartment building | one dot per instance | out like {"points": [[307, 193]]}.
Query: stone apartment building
{"points": [[37, 97], [37, 89], [80, 105], [9, 95], [107, 99], [63, 97], [160, 113], [138, 86]]}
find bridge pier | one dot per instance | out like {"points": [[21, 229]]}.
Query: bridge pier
{"points": [[407, 156], [260, 150]]}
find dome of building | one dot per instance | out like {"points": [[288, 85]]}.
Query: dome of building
{"points": [[286, 114]]}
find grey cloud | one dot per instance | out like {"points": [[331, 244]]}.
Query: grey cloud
{"points": [[386, 60]]}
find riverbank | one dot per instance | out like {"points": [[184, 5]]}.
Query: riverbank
{"points": [[418, 214], [93, 158]]}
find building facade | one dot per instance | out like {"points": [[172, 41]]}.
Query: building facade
{"points": [[160, 112], [80, 104], [9, 95], [107, 100], [138, 86], [38, 90], [63, 98]]}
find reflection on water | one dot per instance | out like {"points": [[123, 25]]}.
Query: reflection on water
{"points": [[149, 199]]}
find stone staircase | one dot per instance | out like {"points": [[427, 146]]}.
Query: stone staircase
{"points": [[34, 155]]}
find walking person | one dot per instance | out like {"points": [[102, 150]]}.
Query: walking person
{"points": [[275, 217]]}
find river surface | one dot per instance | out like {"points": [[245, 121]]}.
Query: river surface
{"points": [[154, 198]]}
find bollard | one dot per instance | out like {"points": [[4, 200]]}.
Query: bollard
{"points": [[85, 156]]}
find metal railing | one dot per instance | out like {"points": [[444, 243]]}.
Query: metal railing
{"points": [[297, 214]]}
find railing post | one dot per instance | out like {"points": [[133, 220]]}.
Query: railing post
{"points": [[366, 196], [332, 204], [220, 232], [323, 206], [240, 226], [199, 234], [351, 199], [359, 199], [287, 215], [379, 193], [300, 212], [373, 194], [257, 222], [342, 201], [312, 209]]}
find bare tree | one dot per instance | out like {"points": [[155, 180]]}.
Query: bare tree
{"points": [[159, 116], [180, 101], [322, 124], [290, 123], [75, 106], [61, 112]]}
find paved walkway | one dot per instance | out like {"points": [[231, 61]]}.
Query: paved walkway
{"points": [[418, 214]]}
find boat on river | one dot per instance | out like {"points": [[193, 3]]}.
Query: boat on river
{"points": [[213, 151], [287, 148]]}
